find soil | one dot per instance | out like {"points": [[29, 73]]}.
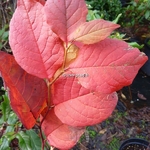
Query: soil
{"points": [[119, 127], [137, 94]]}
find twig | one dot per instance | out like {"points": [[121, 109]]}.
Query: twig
{"points": [[42, 139], [130, 92]]}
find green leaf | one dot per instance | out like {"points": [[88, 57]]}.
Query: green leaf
{"points": [[12, 122], [4, 144], [1, 46], [35, 140], [135, 44], [9, 133], [92, 15], [5, 35], [147, 14], [117, 19], [0, 96], [24, 141], [5, 106], [2, 31]]}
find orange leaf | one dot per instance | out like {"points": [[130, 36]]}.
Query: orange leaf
{"points": [[93, 31], [58, 134], [23, 90]]}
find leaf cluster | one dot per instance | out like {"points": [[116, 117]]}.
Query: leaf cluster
{"points": [[3, 37], [108, 9], [122, 36], [11, 130], [133, 12], [137, 12]]}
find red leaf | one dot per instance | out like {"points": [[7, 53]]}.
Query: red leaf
{"points": [[78, 106], [68, 88], [41, 1], [23, 90], [35, 47], [58, 134], [93, 31], [109, 64], [65, 16]]}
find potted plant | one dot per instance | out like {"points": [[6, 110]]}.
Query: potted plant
{"points": [[64, 71], [135, 144]]}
